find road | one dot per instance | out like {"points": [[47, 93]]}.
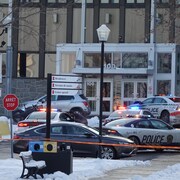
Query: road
{"points": [[159, 161]]}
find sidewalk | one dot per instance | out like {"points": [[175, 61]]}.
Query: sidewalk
{"points": [[157, 164]]}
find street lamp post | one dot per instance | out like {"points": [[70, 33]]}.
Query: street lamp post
{"points": [[103, 33]]}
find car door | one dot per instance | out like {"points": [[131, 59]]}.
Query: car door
{"points": [[168, 134], [152, 106], [62, 102], [79, 135], [82, 140], [146, 133]]}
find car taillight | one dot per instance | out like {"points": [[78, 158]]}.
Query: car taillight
{"points": [[112, 131], [27, 124], [16, 136], [85, 103], [23, 124]]}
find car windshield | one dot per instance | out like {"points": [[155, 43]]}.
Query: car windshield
{"points": [[120, 122], [40, 115]]}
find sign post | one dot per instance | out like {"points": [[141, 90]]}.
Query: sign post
{"points": [[10, 103]]}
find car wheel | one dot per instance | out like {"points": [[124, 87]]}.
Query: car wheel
{"points": [[165, 116], [159, 150], [135, 139], [108, 152]]}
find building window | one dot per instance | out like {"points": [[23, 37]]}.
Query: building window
{"points": [[164, 63], [134, 60], [3, 59], [177, 88], [26, 1], [28, 65], [162, 1], [178, 64], [93, 60], [68, 62], [50, 64], [177, 1], [135, 1], [104, 1], [164, 87], [87, 1], [4, 2]]}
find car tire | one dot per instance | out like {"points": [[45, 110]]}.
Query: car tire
{"points": [[159, 150], [108, 152], [165, 116], [135, 139]]}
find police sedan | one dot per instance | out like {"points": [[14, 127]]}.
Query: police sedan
{"points": [[83, 140], [166, 108], [149, 131]]}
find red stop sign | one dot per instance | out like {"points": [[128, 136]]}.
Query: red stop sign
{"points": [[10, 102]]}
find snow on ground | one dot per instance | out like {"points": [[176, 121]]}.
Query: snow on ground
{"points": [[86, 168]]}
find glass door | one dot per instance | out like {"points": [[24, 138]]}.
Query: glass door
{"points": [[92, 92], [133, 91]]}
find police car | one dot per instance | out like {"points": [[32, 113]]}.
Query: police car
{"points": [[166, 108], [143, 131], [127, 113]]}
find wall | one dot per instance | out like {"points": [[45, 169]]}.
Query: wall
{"points": [[24, 89]]}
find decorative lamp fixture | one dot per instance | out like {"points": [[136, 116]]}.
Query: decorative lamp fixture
{"points": [[103, 33]]}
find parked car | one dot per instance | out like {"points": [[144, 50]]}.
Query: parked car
{"points": [[39, 117], [147, 131], [23, 111], [166, 108], [82, 139], [127, 113], [65, 103]]}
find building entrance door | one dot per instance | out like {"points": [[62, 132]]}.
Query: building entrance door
{"points": [[92, 92], [133, 90]]}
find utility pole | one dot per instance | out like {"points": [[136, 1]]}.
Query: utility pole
{"points": [[9, 51], [9, 59]]}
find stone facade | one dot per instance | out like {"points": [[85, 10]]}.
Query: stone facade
{"points": [[24, 89]]}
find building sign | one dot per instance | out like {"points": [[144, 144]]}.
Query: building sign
{"points": [[66, 79], [63, 92], [67, 85]]}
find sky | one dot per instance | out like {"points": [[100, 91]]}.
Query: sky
{"points": [[86, 168]]}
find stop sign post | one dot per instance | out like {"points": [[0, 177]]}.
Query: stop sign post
{"points": [[10, 102]]}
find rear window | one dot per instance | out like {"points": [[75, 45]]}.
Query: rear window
{"points": [[83, 97], [120, 122], [175, 99], [41, 115], [125, 113]]}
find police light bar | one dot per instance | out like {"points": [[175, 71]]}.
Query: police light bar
{"points": [[135, 107], [44, 110]]}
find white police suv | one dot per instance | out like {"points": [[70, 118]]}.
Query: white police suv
{"points": [[166, 108]]}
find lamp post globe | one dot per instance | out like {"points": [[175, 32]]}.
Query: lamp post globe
{"points": [[103, 34]]}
